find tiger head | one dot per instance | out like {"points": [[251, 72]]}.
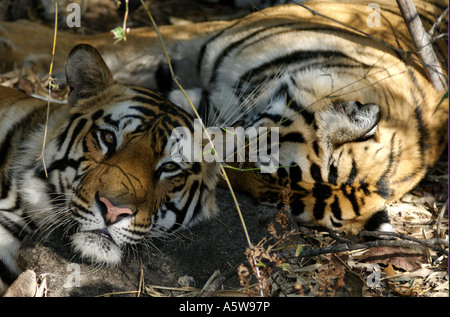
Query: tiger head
{"points": [[341, 160], [111, 167]]}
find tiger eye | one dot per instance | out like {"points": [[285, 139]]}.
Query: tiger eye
{"points": [[170, 166], [109, 137]]}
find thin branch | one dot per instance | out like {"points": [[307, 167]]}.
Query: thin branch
{"points": [[422, 40], [438, 20], [431, 68], [409, 243], [345, 245]]}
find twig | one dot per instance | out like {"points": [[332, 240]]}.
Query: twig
{"points": [[437, 71], [441, 215], [430, 243], [422, 39], [345, 245], [436, 23], [215, 285]]}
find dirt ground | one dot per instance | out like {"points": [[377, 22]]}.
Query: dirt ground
{"points": [[213, 258]]}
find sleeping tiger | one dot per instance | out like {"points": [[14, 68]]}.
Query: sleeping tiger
{"points": [[359, 122], [107, 175]]}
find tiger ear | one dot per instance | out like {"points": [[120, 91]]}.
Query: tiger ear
{"points": [[86, 72], [348, 122]]}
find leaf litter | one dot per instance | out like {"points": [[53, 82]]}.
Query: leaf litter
{"points": [[276, 267]]}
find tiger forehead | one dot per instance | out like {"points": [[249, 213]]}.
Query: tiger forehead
{"points": [[145, 109]]}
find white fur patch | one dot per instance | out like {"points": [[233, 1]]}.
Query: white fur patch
{"points": [[195, 96], [96, 248]]}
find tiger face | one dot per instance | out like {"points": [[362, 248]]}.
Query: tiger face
{"points": [[318, 173], [358, 123], [347, 147], [111, 166]]}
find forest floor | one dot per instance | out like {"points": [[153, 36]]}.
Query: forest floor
{"points": [[288, 261]]}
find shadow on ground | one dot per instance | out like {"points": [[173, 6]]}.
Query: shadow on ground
{"points": [[193, 256]]}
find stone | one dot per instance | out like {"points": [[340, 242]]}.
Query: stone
{"points": [[24, 286]]}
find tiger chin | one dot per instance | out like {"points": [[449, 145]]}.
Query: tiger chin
{"points": [[109, 177]]}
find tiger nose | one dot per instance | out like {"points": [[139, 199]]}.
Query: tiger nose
{"points": [[112, 213]]}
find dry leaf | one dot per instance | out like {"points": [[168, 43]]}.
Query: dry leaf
{"points": [[402, 258], [389, 270]]}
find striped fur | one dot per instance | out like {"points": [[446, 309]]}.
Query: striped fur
{"points": [[110, 145], [359, 124]]}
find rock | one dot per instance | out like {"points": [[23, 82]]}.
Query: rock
{"points": [[24, 286]]}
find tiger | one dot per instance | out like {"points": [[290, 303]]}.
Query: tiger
{"points": [[107, 175], [359, 123]]}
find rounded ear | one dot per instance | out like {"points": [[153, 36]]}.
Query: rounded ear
{"points": [[348, 122], [86, 72]]}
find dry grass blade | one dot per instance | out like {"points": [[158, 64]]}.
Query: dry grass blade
{"points": [[174, 78], [51, 85]]}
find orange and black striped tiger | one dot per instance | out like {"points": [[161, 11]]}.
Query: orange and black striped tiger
{"points": [[109, 178], [359, 122]]}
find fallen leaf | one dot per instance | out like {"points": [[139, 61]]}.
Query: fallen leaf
{"points": [[402, 258], [389, 270]]}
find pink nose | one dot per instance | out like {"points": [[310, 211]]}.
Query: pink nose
{"points": [[113, 213]]}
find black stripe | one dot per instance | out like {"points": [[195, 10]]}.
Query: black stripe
{"points": [[6, 274], [60, 165], [353, 173], [336, 209], [296, 137], [321, 192], [297, 206], [96, 115], [364, 187], [196, 168], [165, 109], [382, 183], [235, 44], [144, 110], [335, 224], [148, 93], [352, 198], [5, 186], [295, 173], [83, 209], [24, 125], [316, 147], [6, 145], [63, 135], [276, 118], [198, 207], [205, 45], [181, 214], [424, 136], [75, 134], [295, 57], [282, 175], [333, 175], [163, 78], [305, 113], [316, 173]]}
